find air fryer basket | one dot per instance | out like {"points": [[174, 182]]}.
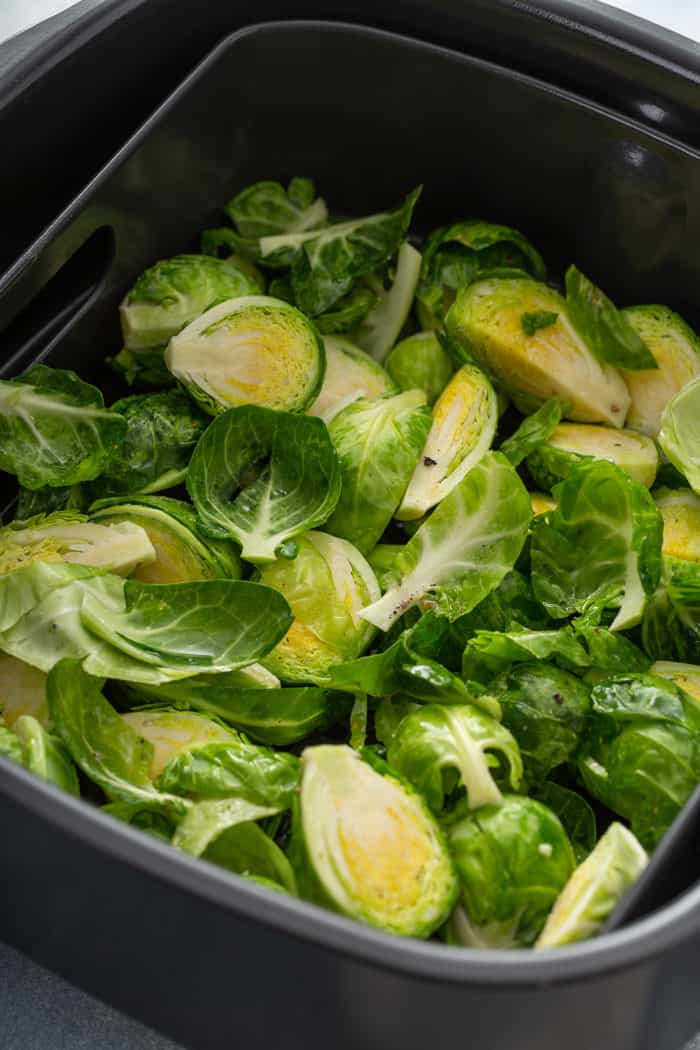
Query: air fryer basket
{"points": [[200, 954]]}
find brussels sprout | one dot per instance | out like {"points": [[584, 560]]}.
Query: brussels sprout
{"points": [[443, 749], [22, 691], [267, 714], [595, 889], [48, 499], [381, 327], [162, 430], [171, 732], [326, 585], [54, 428], [182, 552], [679, 436], [350, 374], [419, 362], [640, 756], [512, 860], [142, 369], [554, 362], [680, 510], [464, 423], [454, 255], [575, 814], [325, 263], [685, 676], [601, 547], [606, 330], [171, 293], [262, 506], [45, 755], [266, 208], [348, 312], [541, 503], [676, 349], [69, 537], [224, 832], [573, 443], [364, 844], [378, 444], [464, 549], [251, 350], [671, 623], [545, 709]]}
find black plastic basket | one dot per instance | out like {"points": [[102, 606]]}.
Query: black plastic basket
{"points": [[198, 953]]}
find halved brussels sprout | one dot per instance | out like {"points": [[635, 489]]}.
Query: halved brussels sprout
{"points": [[326, 585], [680, 509], [22, 691], [350, 374], [685, 676], [513, 861], [677, 351], [464, 424], [365, 845], [487, 321], [442, 749], [679, 435], [419, 362], [172, 732], [378, 444], [182, 552], [570, 443], [595, 888], [252, 350], [542, 503], [172, 292], [69, 537]]}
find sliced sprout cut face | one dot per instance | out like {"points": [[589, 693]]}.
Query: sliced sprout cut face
{"points": [[181, 553], [685, 676], [350, 374], [570, 443], [252, 350], [171, 732], [67, 537], [680, 510], [463, 428], [326, 585], [595, 888], [679, 436], [371, 845], [22, 691], [486, 321], [170, 294]]}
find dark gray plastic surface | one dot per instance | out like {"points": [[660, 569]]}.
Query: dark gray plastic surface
{"points": [[190, 949]]}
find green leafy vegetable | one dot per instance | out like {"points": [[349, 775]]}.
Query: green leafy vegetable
{"points": [[297, 490], [600, 549], [532, 322], [54, 428], [513, 860], [532, 432], [381, 327], [419, 362], [605, 329], [441, 749], [45, 755], [266, 208], [378, 444], [575, 814], [679, 436], [464, 549]]}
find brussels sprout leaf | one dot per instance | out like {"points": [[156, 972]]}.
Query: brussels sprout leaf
{"points": [[533, 322], [577, 817], [532, 432], [266, 208], [54, 429], [297, 490], [464, 549], [601, 548], [233, 768], [606, 331]]}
